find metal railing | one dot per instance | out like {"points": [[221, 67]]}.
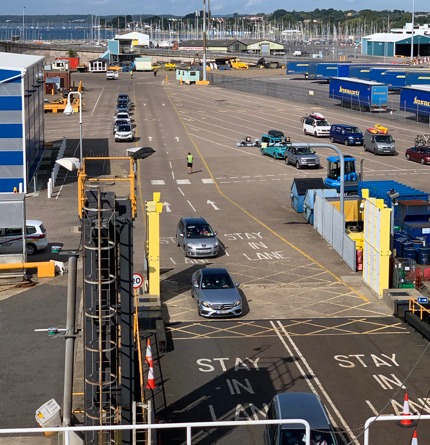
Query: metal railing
{"points": [[414, 306], [69, 431]]}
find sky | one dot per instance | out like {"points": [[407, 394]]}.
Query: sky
{"points": [[183, 7]]}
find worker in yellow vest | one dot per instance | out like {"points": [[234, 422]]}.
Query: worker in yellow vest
{"points": [[190, 163]]}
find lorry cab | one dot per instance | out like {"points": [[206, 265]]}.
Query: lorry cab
{"points": [[378, 141], [351, 177]]}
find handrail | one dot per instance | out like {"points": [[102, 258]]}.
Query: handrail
{"points": [[188, 426], [413, 302]]}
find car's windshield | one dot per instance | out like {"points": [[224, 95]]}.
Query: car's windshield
{"points": [[199, 231], [352, 130], [322, 123], [124, 128], [425, 150], [304, 150], [217, 282], [384, 138]]}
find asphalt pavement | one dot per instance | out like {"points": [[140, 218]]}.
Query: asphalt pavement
{"points": [[33, 362]]}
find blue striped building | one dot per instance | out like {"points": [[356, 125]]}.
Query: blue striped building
{"points": [[22, 137]]}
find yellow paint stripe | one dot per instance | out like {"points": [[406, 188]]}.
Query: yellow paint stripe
{"points": [[246, 212]]}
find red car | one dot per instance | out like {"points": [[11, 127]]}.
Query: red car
{"points": [[418, 154]]}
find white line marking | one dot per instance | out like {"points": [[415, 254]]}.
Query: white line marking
{"points": [[208, 181], [173, 175], [172, 260], [170, 164], [157, 182], [182, 193], [310, 375], [183, 181], [191, 206]]}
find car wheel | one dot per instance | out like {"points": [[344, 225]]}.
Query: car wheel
{"points": [[287, 161], [304, 131], [31, 249], [331, 139], [297, 165], [422, 161], [315, 134], [364, 147], [408, 157], [274, 156], [346, 142], [261, 151]]}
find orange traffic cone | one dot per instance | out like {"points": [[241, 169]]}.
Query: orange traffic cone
{"points": [[414, 438], [150, 384], [406, 423]]}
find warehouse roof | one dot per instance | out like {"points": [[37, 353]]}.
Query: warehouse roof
{"points": [[15, 61]]}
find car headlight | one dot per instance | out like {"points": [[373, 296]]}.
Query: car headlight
{"points": [[205, 304], [237, 303], [190, 246], [216, 244]]}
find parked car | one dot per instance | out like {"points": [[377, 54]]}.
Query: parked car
{"points": [[124, 132], [196, 238], [301, 156], [298, 405], [216, 294], [418, 154], [346, 134], [273, 144], [316, 124], [119, 122], [122, 108], [123, 115], [11, 238], [124, 96], [379, 142]]}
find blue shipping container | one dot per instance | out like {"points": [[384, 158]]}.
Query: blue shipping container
{"points": [[294, 67], [416, 100], [363, 95]]}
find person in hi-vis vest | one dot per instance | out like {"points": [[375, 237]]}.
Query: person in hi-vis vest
{"points": [[190, 163]]}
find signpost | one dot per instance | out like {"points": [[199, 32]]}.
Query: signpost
{"points": [[422, 300], [137, 280]]}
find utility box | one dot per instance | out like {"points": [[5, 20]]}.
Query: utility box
{"points": [[309, 201], [299, 188], [49, 415]]}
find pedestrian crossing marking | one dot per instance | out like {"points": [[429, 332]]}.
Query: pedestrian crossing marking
{"points": [[157, 182], [183, 181], [208, 181]]}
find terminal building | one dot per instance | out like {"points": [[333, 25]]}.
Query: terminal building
{"points": [[22, 137], [398, 42]]}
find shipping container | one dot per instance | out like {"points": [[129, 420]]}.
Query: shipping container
{"points": [[363, 95], [294, 67], [416, 99]]}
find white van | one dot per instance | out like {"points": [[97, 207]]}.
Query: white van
{"points": [[11, 238]]}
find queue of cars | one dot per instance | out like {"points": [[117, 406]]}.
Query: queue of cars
{"points": [[123, 130]]}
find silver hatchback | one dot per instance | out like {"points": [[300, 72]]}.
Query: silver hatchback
{"points": [[196, 238]]}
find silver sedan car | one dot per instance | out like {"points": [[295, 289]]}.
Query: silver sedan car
{"points": [[215, 293]]}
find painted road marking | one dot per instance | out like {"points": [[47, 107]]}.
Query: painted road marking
{"points": [[207, 181], [183, 181], [157, 182]]}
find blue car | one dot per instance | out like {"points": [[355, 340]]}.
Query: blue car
{"points": [[274, 144]]}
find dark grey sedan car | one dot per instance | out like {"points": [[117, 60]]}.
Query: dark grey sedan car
{"points": [[216, 294]]}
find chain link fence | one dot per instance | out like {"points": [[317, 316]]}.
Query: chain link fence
{"points": [[312, 93]]}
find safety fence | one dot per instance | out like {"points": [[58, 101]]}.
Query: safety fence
{"points": [[309, 92], [71, 433]]}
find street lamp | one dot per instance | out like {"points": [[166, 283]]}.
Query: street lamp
{"points": [[393, 195], [69, 111]]}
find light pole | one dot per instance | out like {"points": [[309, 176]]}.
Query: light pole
{"points": [[69, 111], [204, 40], [412, 34], [23, 23]]}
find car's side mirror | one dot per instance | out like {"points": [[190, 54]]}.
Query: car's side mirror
{"points": [[215, 233], [196, 284], [236, 284]]}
